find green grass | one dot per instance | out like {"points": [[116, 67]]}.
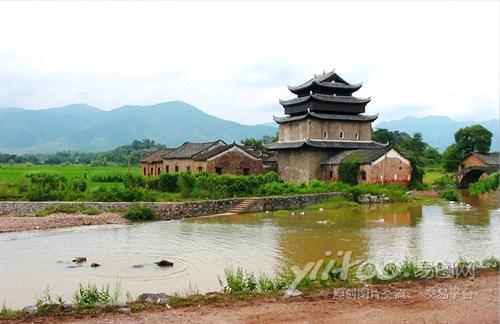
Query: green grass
{"points": [[67, 209], [432, 174], [15, 173]]}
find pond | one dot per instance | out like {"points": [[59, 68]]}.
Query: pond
{"points": [[201, 248]]}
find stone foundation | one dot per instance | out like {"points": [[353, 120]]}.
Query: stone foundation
{"points": [[179, 210]]}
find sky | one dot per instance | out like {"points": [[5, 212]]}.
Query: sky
{"points": [[235, 59]]}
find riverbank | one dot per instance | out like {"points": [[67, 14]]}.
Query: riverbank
{"points": [[59, 220], [455, 300]]}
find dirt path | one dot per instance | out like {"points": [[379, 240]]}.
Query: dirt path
{"points": [[27, 223], [470, 300]]}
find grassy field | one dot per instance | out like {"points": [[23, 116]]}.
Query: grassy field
{"points": [[15, 173], [432, 174]]}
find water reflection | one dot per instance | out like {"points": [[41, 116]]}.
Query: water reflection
{"points": [[201, 248]]}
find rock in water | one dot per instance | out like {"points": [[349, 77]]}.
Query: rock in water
{"points": [[80, 259], [164, 263], [138, 266], [95, 265]]}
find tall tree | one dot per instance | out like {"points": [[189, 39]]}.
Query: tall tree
{"points": [[474, 138]]}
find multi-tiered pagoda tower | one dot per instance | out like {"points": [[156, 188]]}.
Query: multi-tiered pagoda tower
{"points": [[323, 120]]}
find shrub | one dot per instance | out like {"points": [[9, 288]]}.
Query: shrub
{"points": [[88, 297], [450, 194], [486, 185], [78, 184], [139, 213], [186, 183], [444, 182], [108, 177], [167, 182], [120, 194]]}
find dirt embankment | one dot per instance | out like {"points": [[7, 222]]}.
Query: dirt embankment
{"points": [[458, 300], [27, 223]]}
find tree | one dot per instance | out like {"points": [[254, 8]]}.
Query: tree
{"points": [[383, 135], [254, 143], [451, 158], [474, 138]]}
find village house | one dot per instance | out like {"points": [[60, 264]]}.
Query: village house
{"points": [[476, 166], [384, 166], [213, 157], [475, 159], [152, 165], [324, 126]]}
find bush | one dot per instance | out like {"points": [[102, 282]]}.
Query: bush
{"points": [[78, 184], [138, 213], [444, 182], [167, 182], [187, 184], [108, 177], [450, 194], [88, 297], [106, 194], [485, 185]]}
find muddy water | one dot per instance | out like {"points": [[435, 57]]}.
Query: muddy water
{"points": [[201, 248]]}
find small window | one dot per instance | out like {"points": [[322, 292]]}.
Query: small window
{"points": [[341, 135], [176, 168], [325, 134], [200, 169], [166, 169], [357, 136], [246, 171], [218, 170], [188, 168]]}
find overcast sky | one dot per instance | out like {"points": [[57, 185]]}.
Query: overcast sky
{"points": [[234, 59]]}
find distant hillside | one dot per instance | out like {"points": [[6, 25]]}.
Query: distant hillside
{"points": [[438, 131], [85, 128]]}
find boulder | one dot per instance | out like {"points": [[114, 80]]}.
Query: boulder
{"points": [[80, 259], [160, 298]]}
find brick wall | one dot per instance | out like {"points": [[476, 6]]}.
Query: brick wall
{"points": [[235, 162]]}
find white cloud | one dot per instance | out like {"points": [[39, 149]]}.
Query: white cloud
{"points": [[234, 59]]}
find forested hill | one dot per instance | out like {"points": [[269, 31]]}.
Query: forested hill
{"points": [[81, 127]]}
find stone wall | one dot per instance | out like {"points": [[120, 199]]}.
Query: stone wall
{"points": [[178, 210]]}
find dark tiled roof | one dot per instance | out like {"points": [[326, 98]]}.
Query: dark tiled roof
{"points": [[326, 144], [324, 98], [188, 150], [286, 119], [362, 156], [492, 158], [157, 156], [325, 80], [220, 149]]}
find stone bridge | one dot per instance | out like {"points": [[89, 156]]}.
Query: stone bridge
{"points": [[471, 174]]}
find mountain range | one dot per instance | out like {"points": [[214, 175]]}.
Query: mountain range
{"points": [[439, 131], [80, 127]]}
